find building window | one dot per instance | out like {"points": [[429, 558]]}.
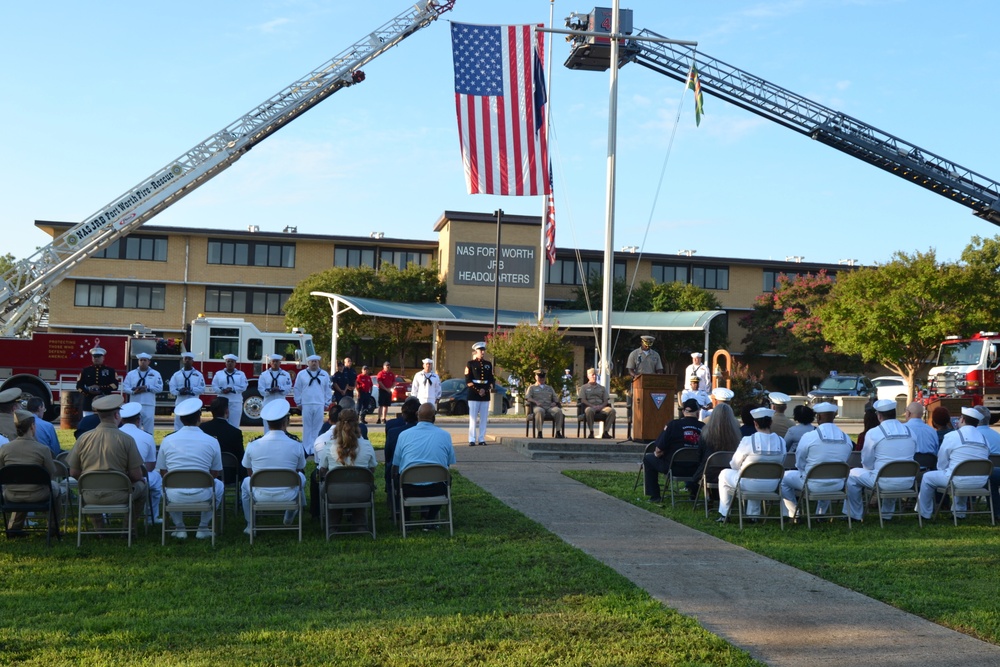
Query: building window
{"points": [[710, 277], [570, 272], [136, 248], [403, 258], [620, 273], [120, 295], [771, 278], [246, 253], [670, 273], [248, 301], [352, 257]]}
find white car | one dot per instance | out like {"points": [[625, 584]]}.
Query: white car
{"points": [[890, 387]]}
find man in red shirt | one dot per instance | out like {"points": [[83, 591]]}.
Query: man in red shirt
{"points": [[366, 404], [385, 378]]}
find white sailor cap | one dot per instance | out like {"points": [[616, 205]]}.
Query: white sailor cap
{"points": [[313, 357], [97, 351], [723, 394], [779, 398], [972, 412], [479, 346], [275, 357], [187, 355], [230, 357], [821, 408], [428, 360], [274, 411], [760, 413], [144, 355], [187, 407], [697, 355], [885, 405], [130, 410]]}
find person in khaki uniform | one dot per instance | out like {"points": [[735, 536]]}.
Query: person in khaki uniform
{"points": [[25, 450], [108, 448], [8, 401], [543, 400], [596, 399]]}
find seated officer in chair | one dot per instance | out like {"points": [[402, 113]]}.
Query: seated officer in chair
{"points": [[595, 399], [543, 401]]}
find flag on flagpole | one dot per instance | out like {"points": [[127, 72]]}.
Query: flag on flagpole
{"points": [[500, 102], [550, 228], [694, 83]]}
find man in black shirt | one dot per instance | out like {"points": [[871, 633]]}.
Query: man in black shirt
{"points": [[96, 380], [230, 438], [679, 433]]}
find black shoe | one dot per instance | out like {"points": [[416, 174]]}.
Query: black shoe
{"points": [[656, 501], [721, 519], [606, 436], [540, 436], [472, 444], [591, 436], [482, 444], [559, 435]]}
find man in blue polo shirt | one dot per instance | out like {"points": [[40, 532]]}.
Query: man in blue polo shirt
{"points": [[421, 444]]}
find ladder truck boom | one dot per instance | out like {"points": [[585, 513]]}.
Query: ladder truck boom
{"points": [[798, 113], [25, 285]]}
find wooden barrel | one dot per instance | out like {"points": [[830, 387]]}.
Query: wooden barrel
{"points": [[70, 403]]}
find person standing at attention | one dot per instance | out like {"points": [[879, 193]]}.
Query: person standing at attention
{"points": [[480, 381]]}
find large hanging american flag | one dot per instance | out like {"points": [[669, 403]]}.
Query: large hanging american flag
{"points": [[500, 100]]}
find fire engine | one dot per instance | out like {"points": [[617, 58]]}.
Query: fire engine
{"points": [[967, 368], [47, 365]]}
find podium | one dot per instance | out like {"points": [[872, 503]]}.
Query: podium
{"points": [[652, 404]]}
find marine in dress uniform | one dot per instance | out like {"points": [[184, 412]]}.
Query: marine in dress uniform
{"points": [[479, 379], [426, 384], [142, 384], [596, 400], [96, 380], [230, 383], [544, 401], [700, 370], [644, 360], [312, 394], [275, 383], [186, 383]]}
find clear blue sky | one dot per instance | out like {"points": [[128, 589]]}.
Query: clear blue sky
{"points": [[100, 95]]}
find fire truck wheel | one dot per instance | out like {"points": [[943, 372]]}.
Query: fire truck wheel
{"points": [[28, 392], [252, 404]]}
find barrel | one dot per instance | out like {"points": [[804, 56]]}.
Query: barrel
{"points": [[70, 403]]}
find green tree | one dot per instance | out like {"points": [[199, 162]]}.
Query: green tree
{"points": [[897, 313], [7, 262], [982, 258], [380, 338], [519, 351]]}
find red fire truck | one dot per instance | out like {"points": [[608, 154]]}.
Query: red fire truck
{"points": [[967, 368]]}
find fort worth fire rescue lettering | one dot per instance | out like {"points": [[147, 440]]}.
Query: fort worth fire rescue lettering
{"points": [[475, 264]]}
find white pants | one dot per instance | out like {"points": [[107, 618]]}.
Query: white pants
{"points": [[865, 479], [235, 411], [312, 421], [479, 412], [155, 490], [727, 491], [935, 479], [266, 494], [195, 495], [148, 417], [792, 484]]}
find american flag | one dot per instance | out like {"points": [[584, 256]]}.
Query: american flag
{"points": [[550, 224], [500, 101]]}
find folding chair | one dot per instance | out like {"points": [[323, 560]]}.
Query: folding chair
{"points": [[190, 479], [62, 478], [581, 419], [275, 479], [970, 468], [642, 463], [349, 488], [854, 459], [716, 463], [34, 475], [232, 476], [530, 422], [896, 470], [761, 470], [106, 481], [789, 461], [425, 474], [833, 470], [995, 460], [687, 456]]}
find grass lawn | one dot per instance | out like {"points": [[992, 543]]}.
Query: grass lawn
{"points": [[945, 574], [503, 591]]}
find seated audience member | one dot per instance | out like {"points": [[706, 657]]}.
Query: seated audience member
{"points": [[45, 433], [869, 421], [824, 444], [25, 449], [190, 448], [348, 448], [422, 444], [543, 401], [888, 441], [131, 414], [275, 450], [761, 446], [230, 438], [746, 419], [941, 422], [803, 416], [679, 433], [780, 423], [721, 434], [596, 400], [924, 436], [964, 444]]}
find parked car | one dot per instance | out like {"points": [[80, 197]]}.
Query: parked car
{"points": [[891, 387], [455, 397], [841, 385], [400, 390]]}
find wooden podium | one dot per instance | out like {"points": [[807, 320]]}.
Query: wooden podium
{"points": [[653, 404]]}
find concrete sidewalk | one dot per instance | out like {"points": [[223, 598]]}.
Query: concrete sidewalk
{"points": [[781, 615]]}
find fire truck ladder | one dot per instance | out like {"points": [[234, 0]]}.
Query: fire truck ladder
{"points": [[25, 286], [823, 124]]}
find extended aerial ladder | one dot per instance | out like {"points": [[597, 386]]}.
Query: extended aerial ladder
{"points": [[794, 111], [25, 286]]}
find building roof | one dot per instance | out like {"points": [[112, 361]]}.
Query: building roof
{"points": [[568, 319]]}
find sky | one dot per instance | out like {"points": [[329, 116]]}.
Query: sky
{"points": [[100, 95]]}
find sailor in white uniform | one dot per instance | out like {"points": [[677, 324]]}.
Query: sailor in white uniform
{"points": [[142, 384], [313, 392], [186, 383], [230, 383], [275, 383], [426, 384]]}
